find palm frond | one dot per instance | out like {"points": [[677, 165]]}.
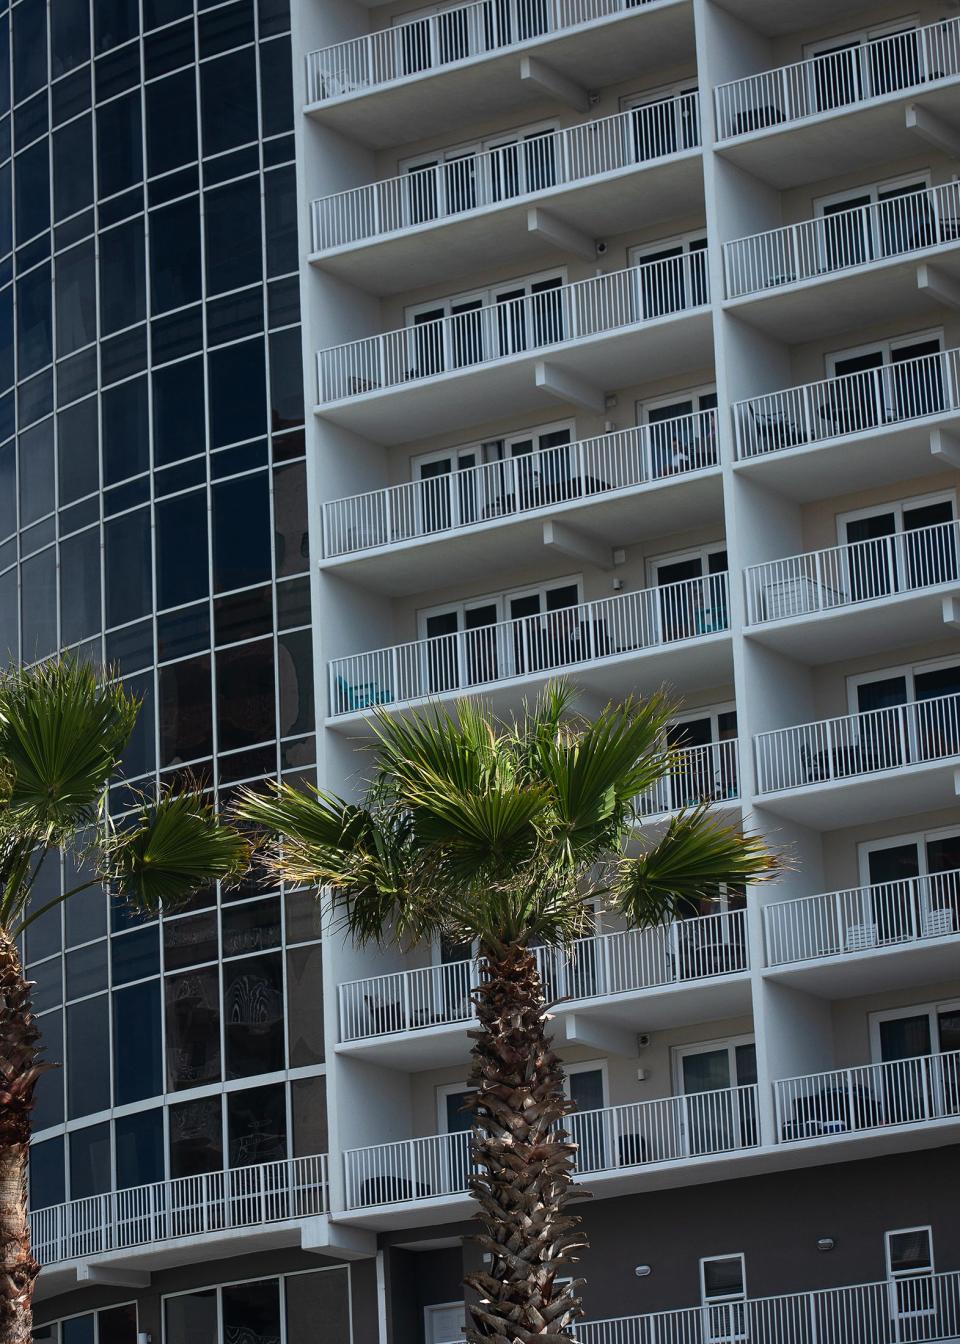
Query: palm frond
{"points": [[695, 857], [167, 849], [62, 732]]}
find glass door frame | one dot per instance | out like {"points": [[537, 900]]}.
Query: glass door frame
{"points": [[886, 368], [898, 581], [935, 1100], [911, 753], [730, 1044], [875, 192]]}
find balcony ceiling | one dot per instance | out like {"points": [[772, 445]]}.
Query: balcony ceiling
{"points": [[463, 397], [623, 517], [841, 141], [883, 968], [881, 456], [778, 19], [879, 292], [869, 627], [695, 664], [900, 793], [633, 46], [628, 200]]}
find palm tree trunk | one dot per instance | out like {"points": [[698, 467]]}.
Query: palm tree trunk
{"points": [[19, 1070], [524, 1162]]}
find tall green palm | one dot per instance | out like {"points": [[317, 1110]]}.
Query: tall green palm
{"points": [[63, 730], [504, 834]]}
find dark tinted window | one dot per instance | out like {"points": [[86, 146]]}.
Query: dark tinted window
{"points": [[123, 286], [196, 1145], [182, 549], [193, 1031], [186, 732], [73, 167], [234, 246], [128, 568], [38, 605], [125, 432], [36, 472], [119, 145], [257, 1125], [280, 213], [77, 436], [237, 393], [115, 22], [33, 191], [241, 532], [69, 34], [276, 87], [29, 47], [76, 298], [138, 1067], [175, 254], [80, 587], [253, 1015], [178, 411], [139, 1141], [171, 122], [47, 1184], [88, 1057], [226, 27], [90, 1172], [245, 706], [228, 101]]}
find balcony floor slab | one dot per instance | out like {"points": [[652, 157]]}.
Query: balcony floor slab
{"points": [[605, 51], [685, 665], [514, 542], [711, 999], [883, 455], [841, 140], [852, 974], [836, 803], [884, 290], [441, 250], [661, 347], [891, 622]]}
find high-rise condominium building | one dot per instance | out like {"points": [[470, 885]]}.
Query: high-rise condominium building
{"points": [[631, 352]]}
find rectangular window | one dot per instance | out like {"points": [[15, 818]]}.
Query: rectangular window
{"points": [[723, 1290]]}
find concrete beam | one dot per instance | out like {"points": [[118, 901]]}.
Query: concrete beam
{"points": [[945, 447], [951, 612], [579, 1029], [324, 1237], [107, 1274], [566, 386], [941, 288], [568, 541], [933, 129], [553, 84], [553, 230]]}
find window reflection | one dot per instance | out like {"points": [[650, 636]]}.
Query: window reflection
{"points": [[196, 1138], [193, 1028], [257, 1125], [253, 1015]]}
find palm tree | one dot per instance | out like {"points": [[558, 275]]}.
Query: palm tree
{"points": [[504, 834], [62, 733]]}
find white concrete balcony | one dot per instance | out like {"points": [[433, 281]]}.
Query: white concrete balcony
{"points": [[777, 124], [838, 772], [851, 942], [604, 966], [614, 1140], [627, 484], [879, 425], [925, 1307], [601, 636], [568, 342], [467, 62], [924, 1090], [476, 209], [862, 253], [854, 599], [183, 1220]]}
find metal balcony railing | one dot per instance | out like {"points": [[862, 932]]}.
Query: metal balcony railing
{"points": [[910, 222], [917, 733], [553, 315], [270, 1192], [669, 1129], [586, 633], [862, 571], [507, 488], [861, 918], [704, 774], [601, 965], [852, 75], [446, 38], [527, 166], [914, 1309], [899, 1092], [854, 403]]}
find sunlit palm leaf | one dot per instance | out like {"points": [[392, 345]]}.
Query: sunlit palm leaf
{"points": [[62, 732], [695, 856], [167, 849]]}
